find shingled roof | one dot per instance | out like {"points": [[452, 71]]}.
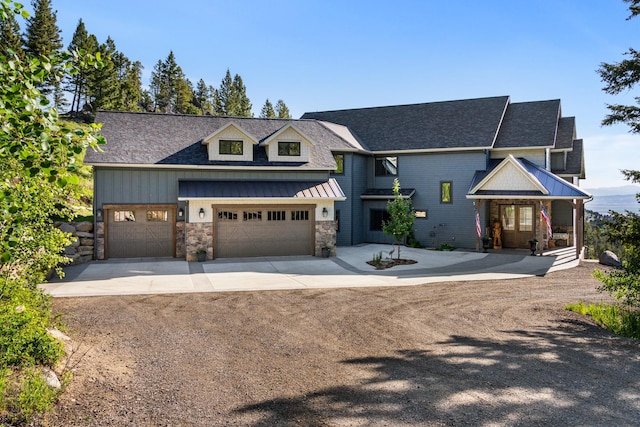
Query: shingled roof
{"points": [[529, 125], [174, 139], [463, 124]]}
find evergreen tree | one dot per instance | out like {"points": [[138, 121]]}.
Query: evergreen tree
{"points": [[267, 111], [169, 87], [202, 98], [10, 39], [103, 82], [42, 38], [224, 96], [76, 84], [146, 101], [282, 110], [231, 99], [624, 285], [243, 105]]}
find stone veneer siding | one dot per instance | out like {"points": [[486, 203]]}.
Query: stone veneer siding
{"points": [[325, 236], [199, 235], [99, 240], [180, 239]]}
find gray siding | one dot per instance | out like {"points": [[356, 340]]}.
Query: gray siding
{"points": [[452, 223], [353, 182], [120, 185]]}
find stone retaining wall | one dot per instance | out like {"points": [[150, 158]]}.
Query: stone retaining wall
{"points": [[83, 241]]}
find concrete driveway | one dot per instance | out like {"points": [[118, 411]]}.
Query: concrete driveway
{"points": [[348, 269]]}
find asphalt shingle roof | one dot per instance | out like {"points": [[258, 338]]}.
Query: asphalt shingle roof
{"points": [[566, 133], [470, 123], [529, 125], [168, 139]]}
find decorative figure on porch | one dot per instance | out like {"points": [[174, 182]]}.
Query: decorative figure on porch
{"points": [[496, 228]]}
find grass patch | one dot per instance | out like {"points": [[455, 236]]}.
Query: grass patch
{"points": [[618, 320]]}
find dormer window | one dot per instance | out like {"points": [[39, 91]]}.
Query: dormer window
{"points": [[231, 147], [288, 148]]}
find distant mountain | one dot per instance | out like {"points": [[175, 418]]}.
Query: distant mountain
{"points": [[619, 199], [614, 191]]}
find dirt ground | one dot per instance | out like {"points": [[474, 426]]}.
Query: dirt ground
{"points": [[452, 354]]}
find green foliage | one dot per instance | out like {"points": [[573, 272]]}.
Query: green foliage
{"points": [[39, 168], [401, 216], [267, 111], [282, 110], [618, 320], [595, 238], [446, 247]]}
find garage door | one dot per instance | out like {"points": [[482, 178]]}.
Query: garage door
{"points": [[140, 232], [263, 231]]}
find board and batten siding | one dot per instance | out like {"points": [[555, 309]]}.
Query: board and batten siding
{"points": [[353, 182], [452, 223], [141, 186]]}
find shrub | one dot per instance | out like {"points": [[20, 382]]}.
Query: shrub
{"points": [[621, 321]]}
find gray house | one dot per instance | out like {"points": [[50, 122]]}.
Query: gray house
{"points": [[173, 185]]}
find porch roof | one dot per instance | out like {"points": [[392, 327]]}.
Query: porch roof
{"points": [[501, 182], [386, 193], [308, 190]]}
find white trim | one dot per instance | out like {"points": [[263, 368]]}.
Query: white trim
{"points": [[430, 150], [212, 167], [206, 140], [262, 200], [516, 196], [511, 161], [274, 137]]}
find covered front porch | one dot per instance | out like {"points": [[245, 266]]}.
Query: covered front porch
{"points": [[522, 206]]}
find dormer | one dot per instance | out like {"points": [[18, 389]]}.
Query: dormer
{"points": [[288, 144], [230, 143]]}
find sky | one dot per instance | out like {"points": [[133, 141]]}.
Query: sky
{"points": [[339, 54]]}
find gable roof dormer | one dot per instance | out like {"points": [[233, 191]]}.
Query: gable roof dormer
{"points": [[230, 143], [288, 144]]}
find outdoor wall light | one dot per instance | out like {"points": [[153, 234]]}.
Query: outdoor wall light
{"points": [[325, 212], [201, 213], [99, 215], [180, 213]]}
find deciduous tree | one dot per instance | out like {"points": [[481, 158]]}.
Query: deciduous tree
{"points": [[401, 216]]}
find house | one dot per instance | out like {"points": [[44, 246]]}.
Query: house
{"points": [[172, 185]]}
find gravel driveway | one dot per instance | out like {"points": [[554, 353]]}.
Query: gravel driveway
{"points": [[459, 353]]}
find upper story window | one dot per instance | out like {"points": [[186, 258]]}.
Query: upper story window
{"points": [[231, 147], [339, 158], [386, 166], [445, 192], [286, 148]]}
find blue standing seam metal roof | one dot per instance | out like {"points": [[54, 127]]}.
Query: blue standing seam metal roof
{"points": [[192, 189], [556, 186]]}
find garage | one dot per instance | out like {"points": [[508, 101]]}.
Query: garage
{"points": [[253, 231], [140, 231]]}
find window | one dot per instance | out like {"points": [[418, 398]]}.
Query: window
{"points": [[386, 166], [376, 218], [158, 216], [227, 216], [288, 148], [337, 220], [299, 215], [339, 158], [445, 192], [121, 216], [508, 217], [231, 147], [252, 216], [276, 216], [526, 218]]}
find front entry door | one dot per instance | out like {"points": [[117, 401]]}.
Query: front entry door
{"points": [[517, 225]]}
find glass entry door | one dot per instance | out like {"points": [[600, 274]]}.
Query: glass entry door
{"points": [[517, 225]]}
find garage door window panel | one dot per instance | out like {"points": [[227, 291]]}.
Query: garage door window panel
{"points": [[252, 216], [124, 216], [276, 216], [158, 216], [228, 216], [299, 215]]}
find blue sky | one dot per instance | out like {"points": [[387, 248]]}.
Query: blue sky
{"points": [[326, 55]]}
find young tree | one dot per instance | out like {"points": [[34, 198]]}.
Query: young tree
{"points": [[231, 99], [267, 111], [77, 84], [624, 285], [282, 110], [401, 216]]}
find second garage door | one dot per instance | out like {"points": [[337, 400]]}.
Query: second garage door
{"points": [[134, 231], [263, 231]]}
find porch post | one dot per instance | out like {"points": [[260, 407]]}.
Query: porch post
{"points": [[478, 205], [578, 227], [539, 236]]}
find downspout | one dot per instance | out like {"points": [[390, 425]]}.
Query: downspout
{"points": [[547, 159]]}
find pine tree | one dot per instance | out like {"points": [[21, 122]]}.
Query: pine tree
{"points": [[77, 84], [621, 228], [282, 110], [202, 98], [10, 39], [167, 79], [42, 38], [243, 108], [267, 111], [103, 82], [224, 95]]}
